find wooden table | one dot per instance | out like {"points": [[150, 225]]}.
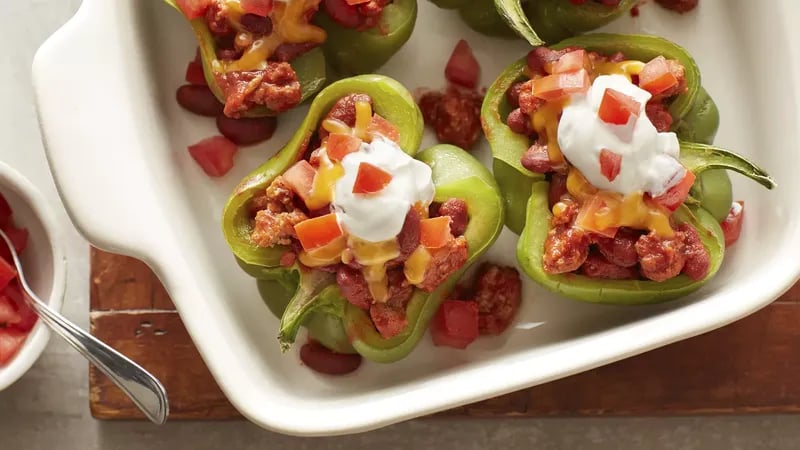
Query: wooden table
{"points": [[754, 368]]}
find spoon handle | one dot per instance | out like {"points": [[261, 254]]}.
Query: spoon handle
{"points": [[142, 387]]}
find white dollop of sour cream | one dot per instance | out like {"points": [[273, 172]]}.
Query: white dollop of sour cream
{"points": [[379, 216], [649, 158]]}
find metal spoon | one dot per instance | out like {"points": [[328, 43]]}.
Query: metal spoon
{"points": [[140, 386]]}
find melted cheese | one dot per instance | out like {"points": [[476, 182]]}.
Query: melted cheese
{"points": [[322, 190], [416, 265], [326, 255], [289, 26], [374, 256]]}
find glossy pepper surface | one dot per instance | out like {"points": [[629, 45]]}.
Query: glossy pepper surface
{"points": [[311, 298], [344, 52], [537, 21], [526, 193]]}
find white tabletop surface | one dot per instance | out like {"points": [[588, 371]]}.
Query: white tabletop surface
{"points": [[48, 408]]}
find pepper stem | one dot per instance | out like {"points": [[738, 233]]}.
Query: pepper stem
{"points": [[701, 157], [512, 13], [312, 283]]}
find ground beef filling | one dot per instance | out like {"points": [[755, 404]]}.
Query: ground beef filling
{"points": [[279, 209]]}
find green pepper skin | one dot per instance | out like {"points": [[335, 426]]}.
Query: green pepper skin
{"points": [[623, 292], [536, 21], [351, 51], [347, 51], [456, 174], [316, 302], [695, 116]]}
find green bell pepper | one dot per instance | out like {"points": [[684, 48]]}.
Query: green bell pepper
{"points": [[537, 21], [346, 51], [695, 117], [311, 298]]}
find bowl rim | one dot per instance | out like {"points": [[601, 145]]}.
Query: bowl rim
{"points": [[37, 339]]}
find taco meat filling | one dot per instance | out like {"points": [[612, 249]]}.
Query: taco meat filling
{"points": [[599, 130], [255, 47], [359, 207]]}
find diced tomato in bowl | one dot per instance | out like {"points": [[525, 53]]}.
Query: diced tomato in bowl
{"points": [[35, 234]]}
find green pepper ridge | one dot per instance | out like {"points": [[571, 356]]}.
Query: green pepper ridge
{"points": [[312, 298]]}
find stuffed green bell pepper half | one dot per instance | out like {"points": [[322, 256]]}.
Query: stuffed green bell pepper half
{"points": [[599, 150], [263, 57], [354, 234], [537, 21]]}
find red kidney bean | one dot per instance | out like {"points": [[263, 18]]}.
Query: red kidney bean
{"points": [[256, 24], [323, 360], [247, 131], [199, 100]]}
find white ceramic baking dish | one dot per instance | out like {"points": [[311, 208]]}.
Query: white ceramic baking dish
{"points": [[116, 142]]}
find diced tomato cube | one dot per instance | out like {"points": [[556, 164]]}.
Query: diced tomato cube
{"points": [[7, 273], [340, 145], [214, 155], [462, 67], [435, 232], [27, 317], [193, 9], [560, 85], [300, 177], [194, 74], [610, 164], [8, 312], [5, 211], [732, 225], [617, 108], [370, 179], [656, 77], [380, 126], [318, 231], [676, 195], [455, 324], [10, 342], [570, 62]]}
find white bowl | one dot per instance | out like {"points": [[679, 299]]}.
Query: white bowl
{"points": [[117, 140], [43, 261]]}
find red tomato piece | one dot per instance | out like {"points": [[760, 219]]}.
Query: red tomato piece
{"points": [[380, 126], [340, 145], [318, 231], [10, 342], [323, 360], [462, 67], [27, 317], [8, 312], [588, 215], [193, 9], [610, 164], [455, 324], [435, 232], [676, 195], [5, 211], [258, 7], [617, 108], [195, 75], [570, 62], [656, 77], [560, 85], [214, 154], [7, 273], [732, 225], [356, 2], [300, 177], [344, 14], [370, 179]]}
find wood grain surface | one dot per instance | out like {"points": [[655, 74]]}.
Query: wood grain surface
{"points": [[754, 369]]}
